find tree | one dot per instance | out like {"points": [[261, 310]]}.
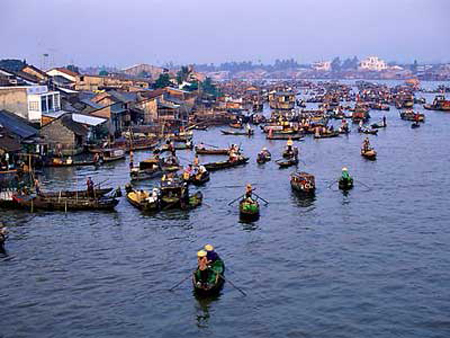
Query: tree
{"points": [[163, 81], [336, 64], [183, 74], [12, 65], [73, 68]]}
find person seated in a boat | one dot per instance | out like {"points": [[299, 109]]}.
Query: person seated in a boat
{"points": [[187, 172], [211, 254], [154, 196], [69, 160], [233, 157], [345, 175], [196, 161], [289, 144], [366, 144], [201, 170], [249, 192]]}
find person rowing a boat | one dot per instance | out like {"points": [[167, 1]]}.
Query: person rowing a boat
{"points": [[202, 269], [90, 187], [211, 255], [366, 144], [289, 144], [345, 175], [249, 192]]}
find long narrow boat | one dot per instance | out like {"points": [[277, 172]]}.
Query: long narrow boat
{"points": [[58, 162], [303, 183], [369, 154], [248, 210], [143, 201], [75, 193], [31, 202], [411, 116], [238, 133], [328, 135], [368, 131], [287, 163], [206, 151], [199, 179], [293, 137], [213, 283], [225, 164]]}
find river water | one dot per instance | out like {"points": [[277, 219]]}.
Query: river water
{"points": [[373, 263]]}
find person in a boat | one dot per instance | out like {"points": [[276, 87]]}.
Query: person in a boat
{"points": [[345, 175], [384, 120], [202, 262], [366, 144], [232, 157], [248, 191], [196, 161], [37, 186], [187, 172], [211, 255], [289, 144], [201, 146], [90, 187]]}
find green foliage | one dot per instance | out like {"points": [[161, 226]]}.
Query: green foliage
{"points": [[73, 68], [163, 81], [183, 74], [350, 64], [208, 87]]}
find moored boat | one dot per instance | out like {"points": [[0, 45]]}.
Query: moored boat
{"points": [[293, 137], [32, 202], [226, 164], [143, 200], [327, 135], [208, 151]]}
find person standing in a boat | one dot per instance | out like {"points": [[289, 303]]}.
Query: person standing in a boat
{"points": [[202, 262], [90, 187]]}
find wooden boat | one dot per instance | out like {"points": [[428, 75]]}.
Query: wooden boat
{"points": [[111, 154], [287, 163], [439, 103], [293, 137], [199, 179], [31, 202], [248, 210], [147, 169], [207, 151], [327, 135], [201, 127], [412, 116], [236, 125], [238, 133], [75, 193], [303, 182], [213, 166], [263, 157], [345, 184], [67, 162], [179, 146], [174, 194], [369, 154], [378, 125], [213, 283], [368, 131], [415, 125], [143, 200]]}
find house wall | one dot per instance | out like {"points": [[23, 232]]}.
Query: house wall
{"points": [[56, 133], [150, 108], [15, 101]]}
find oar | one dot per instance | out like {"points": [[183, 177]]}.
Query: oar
{"points": [[261, 198], [229, 281], [180, 282], [363, 184], [235, 200], [334, 182]]}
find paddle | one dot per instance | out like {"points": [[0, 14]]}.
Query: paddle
{"points": [[235, 200], [363, 184], [229, 281], [334, 182], [180, 282], [261, 198]]}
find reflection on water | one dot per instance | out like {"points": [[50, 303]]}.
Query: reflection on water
{"points": [[203, 309]]}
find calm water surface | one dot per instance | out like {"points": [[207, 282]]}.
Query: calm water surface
{"points": [[373, 263]]}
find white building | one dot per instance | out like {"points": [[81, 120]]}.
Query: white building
{"points": [[29, 102], [323, 66], [372, 63]]}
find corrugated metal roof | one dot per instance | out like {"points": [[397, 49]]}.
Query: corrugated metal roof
{"points": [[87, 119], [16, 124]]}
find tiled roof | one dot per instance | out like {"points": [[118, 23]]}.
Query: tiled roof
{"points": [[16, 125]]}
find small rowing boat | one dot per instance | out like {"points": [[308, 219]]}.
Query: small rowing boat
{"points": [[209, 282], [248, 210], [369, 154], [226, 164], [238, 133], [303, 182]]}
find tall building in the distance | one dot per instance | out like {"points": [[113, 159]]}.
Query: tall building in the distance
{"points": [[373, 63]]}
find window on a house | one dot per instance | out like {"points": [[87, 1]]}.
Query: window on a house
{"points": [[44, 103], [50, 102], [33, 106]]}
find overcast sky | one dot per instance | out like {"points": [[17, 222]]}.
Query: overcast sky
{"points": [[125, 32]]}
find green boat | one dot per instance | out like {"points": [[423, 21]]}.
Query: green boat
{"points": [[213, 282], [249, 210], [345, 184]]}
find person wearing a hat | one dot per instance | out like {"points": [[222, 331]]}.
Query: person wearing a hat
{"points": [[211, 255], [248, 190], [202, 262], [345, 175]]}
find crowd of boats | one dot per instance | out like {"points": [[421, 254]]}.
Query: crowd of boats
{"points": [[289, 125]]}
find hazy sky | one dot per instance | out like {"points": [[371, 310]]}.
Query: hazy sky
{"points": [[125, 32]]}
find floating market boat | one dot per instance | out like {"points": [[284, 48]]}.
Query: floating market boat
{"points": [[378, 125], [213, 282], [67, 162], [412, 116], [368, 131], [369, 154], [199, 178], [293, 137], [287, 163], [206, 151], [38, 202], [75, 193], [263, 157], [143, 200], [248, 210], [345, 184], [110, 155], [303, 182], [237, 133], [439, 103], [327, 135], [175, 194], [147, 169], [225, 164]]}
